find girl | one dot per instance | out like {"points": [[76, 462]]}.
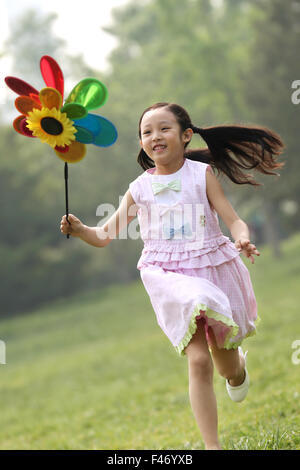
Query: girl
{"points": [[199, 287]]}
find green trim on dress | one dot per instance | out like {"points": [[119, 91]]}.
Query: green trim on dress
{"points": [[234, 328]]}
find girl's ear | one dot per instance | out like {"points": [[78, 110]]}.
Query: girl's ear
{"points": [[187, 135]]}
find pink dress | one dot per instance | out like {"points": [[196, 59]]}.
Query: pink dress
{"points": [[190, 270]]}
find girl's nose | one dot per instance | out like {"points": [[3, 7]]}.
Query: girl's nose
{"points": [[156, 135]]}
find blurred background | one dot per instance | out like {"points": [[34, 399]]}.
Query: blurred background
{"points": [[80, 331], [231, 61]]}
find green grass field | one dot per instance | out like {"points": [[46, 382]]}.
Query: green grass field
{"points": [[97, 372]]}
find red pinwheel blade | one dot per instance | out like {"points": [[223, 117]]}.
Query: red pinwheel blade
{"points": [[19, 86], [52, 74]]}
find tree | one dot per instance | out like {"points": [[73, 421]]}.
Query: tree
{"points": [[32, 37], [267, 80], [37, 263]]}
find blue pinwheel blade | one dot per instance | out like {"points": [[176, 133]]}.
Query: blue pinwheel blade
{"points": [[90, 122], [103, 130], [108, 134]]}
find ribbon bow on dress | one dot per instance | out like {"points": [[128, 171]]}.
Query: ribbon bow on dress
{"points": [[157, 187], [163, 208], [185, 229]]}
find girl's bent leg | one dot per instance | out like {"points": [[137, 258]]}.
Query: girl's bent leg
{"points": [[202, 396], [229, 363]]}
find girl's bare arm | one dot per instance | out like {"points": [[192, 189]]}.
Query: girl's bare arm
{"points": [[238, 228], [102, 236]]}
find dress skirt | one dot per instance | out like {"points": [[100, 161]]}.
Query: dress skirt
{"points": [[215, 286]]}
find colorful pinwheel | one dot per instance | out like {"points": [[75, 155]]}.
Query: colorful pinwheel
{"points": [[67, 126]]}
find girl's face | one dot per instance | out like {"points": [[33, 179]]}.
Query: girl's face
{"points": [[161, 136]]}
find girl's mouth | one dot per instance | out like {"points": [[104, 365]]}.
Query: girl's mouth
{"points": [[159, 148]]}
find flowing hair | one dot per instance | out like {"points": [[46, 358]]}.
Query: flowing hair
{"points": [[231, 149]]}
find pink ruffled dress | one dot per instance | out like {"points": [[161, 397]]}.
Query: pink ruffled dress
{"points": [[190, 270]]}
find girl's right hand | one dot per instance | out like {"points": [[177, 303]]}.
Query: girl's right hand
{"points": [[248, 249], [74, 227]]}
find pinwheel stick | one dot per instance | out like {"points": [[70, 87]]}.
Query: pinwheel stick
{"points": [[66, 192]]}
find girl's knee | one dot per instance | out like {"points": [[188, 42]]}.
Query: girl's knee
{"points": [[199, 358], [200, 363]]}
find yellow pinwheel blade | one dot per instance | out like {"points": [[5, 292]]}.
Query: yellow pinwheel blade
{"points": [[76, 152], [50, 98]]}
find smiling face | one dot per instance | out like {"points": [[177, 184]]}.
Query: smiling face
{"points": [[162, 139]]}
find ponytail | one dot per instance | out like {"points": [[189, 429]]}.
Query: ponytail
{"points": [[230, 149]]}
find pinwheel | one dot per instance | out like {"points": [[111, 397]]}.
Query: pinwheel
{"points": [[66, 126]]}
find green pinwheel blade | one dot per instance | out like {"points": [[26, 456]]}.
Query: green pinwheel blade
{"points": [[83, 135], [74, 110], [89, 92]]}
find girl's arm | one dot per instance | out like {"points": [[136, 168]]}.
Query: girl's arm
{"points": [[238, 229], [102, 236]]}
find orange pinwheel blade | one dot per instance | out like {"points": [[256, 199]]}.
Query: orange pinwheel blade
{"points": [[24, 104]]}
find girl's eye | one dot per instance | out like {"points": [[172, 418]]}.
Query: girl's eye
{"points": [[163, 129]]}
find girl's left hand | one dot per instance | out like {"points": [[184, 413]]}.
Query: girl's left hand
{"points": [[247, 248]]}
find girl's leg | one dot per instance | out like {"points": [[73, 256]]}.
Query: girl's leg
{"points": [[228, 362], [202, 396]]}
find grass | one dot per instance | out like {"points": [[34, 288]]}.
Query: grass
{"points": [[96, 372]]}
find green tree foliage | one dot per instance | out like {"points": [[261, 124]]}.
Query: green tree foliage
{"points": [[228, 63], [266, 79], [204, 57], [32, 37], [38, 263]]}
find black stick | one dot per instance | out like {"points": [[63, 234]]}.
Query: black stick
{"points": [[66, 193]]}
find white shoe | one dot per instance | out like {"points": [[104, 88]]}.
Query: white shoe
{"points": [[239, 392]]}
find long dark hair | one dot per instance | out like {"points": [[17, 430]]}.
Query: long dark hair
{"points": [[230, 149]]}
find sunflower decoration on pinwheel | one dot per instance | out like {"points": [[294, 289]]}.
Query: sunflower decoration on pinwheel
{"points": [[67, 127]]}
